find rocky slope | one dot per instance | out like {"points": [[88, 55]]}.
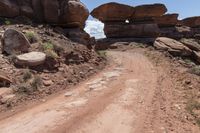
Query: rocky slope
{"points": [[44, 49]]}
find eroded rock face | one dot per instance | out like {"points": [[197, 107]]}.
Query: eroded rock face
{"points": [[176, 32], [9, 8], [167, 20], [31, 59], [51, 11], [172, 46], [191, 43], [191, 21], [14, 42], [113, 12], [75, 14], [149, 11], [131, 30], [69, 13]]}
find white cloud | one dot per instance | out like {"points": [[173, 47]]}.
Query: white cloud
{"points": [[95, 29]]}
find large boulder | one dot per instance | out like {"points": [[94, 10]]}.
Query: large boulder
{"points": [[51, 11], [172, 46], [14, 42], [149, 11], [31, 59], [191, 43], [167, 20], [191, 21], [114, 30], [113, 12], [68, 13], [9, 8], [74, 14]]}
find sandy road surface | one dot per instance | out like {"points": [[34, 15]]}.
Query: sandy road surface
{"points": [[114, 101]]}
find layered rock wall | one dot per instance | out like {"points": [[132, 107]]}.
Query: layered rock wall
{"points": [[66, 13], [144, 21]]}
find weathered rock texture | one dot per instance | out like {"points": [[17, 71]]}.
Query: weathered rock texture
{"points": [[191, 22], [69, 13], [172, 46], [14, 42], [131, 30], [126, 21], [144, 21], [113, 12], [146, 12], [31, 59], [166, 20]]}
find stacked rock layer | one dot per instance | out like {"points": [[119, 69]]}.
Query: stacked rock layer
{"points": [[68, 13], [144, 21]]}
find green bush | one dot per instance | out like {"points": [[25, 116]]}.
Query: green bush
{"points": [[31, 37], [51, 54], [27, 75], [195, 70], [102, 53], [48, 46], [36, 83]]}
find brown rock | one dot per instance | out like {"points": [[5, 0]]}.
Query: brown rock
{"points": [[5, 91], [113, 12], [14, 41], [38, 10], [131, 30], [47, 82], [4, 81], [191, 43], [31, 59], [172, 46], [167, 20], [25, 8], [9, 8], [192, 21], [176, 32], [51, 10], [149, 11], [78, 35], [75, 14]]}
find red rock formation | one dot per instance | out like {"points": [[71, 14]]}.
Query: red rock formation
{"points": [[69, 13], [113, 12]]}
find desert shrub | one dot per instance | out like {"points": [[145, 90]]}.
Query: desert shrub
{"points": [[36, 83], [51, 54], [27, 75], [50, 49], [191, 106], [102, 53], [195, 70], [7, 22], [58, 49], [31, 37], [24, 88], [48, 46], [32, 85], [12, 58]]}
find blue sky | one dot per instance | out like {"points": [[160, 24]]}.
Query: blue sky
{"points": [[185, 8]]}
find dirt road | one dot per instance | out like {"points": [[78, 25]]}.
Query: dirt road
{"points": [[117, 100]]}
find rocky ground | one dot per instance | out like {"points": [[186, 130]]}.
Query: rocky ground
{"points": [[68, 63], [141, 90]]}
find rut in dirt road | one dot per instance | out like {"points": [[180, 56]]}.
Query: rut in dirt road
{"points": [[114, 101]]}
